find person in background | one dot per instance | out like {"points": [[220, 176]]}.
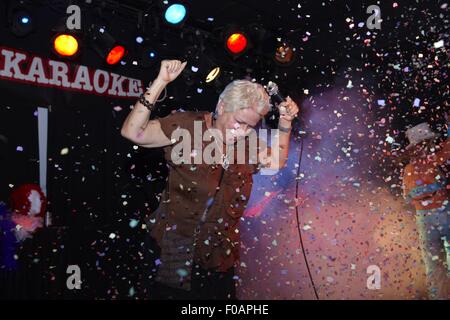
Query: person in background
{"points": [[425, 187]]}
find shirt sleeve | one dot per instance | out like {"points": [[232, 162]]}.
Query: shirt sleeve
{"points": [[172, 122]]}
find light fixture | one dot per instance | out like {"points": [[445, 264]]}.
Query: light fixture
{"points": [[212, 75], [139, 39], [106, 46], [175, 13], [65, 45], [115, 54], [201, 67], [20, 20], [284, 54], [237, 43], [148, 57]]}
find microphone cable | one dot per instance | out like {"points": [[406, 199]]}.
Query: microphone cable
{"points": [[298, 219]]}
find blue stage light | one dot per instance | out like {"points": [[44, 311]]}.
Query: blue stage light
{"points": [[175, 13], [21, 22], [25, 20]]}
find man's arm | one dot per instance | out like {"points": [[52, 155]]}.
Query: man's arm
{"points": [[279, 150], [137, 127]]}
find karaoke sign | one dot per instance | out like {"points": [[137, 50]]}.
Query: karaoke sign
{"points": [[23, 67]]}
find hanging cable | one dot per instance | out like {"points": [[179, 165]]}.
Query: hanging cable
{"points": [[298, 219]]}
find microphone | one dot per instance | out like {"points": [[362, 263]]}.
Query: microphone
{"points": [[274, 93], [272, 117]]}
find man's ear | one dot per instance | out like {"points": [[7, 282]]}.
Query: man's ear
{"points": [[220, 108]]}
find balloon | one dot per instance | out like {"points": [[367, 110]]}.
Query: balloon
{"points": [[28, 199]]}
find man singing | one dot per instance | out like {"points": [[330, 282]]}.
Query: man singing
{"points": [[196, 225]]}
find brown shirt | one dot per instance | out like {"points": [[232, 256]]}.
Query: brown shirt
{"points": [[424, 183], [191, 187]]}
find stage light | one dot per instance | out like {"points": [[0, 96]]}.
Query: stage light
{"points": [[106, 46], [269, 45], [20, 21], [208, 70], [237, 43], [115, 55], [139, 39], [175, 14], [65, 45], [213, 74], [148, 57], [202, 66], [150, 53], [284, 54]]}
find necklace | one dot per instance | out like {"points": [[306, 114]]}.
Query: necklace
{"points": [[225, 160]]}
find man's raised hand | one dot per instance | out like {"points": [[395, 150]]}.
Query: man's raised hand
{"points": [[170, 70]]}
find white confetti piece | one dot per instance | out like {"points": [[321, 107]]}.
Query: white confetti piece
{"points": [[438, 44], [390, 140], [349, 84], [133, 223]]}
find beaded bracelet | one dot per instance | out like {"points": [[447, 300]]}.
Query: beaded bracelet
{"points": [[150, 106]]}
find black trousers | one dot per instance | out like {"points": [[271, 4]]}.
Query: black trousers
{"points": [[205, 284]]}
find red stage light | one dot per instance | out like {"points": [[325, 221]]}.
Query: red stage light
{"points": [[115, 55], [237, 43]]}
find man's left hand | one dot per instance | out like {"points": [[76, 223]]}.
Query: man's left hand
{"points": [[288, 109]]}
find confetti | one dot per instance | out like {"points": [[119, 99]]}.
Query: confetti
{"points": [[133, 223], [438, 44]]}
